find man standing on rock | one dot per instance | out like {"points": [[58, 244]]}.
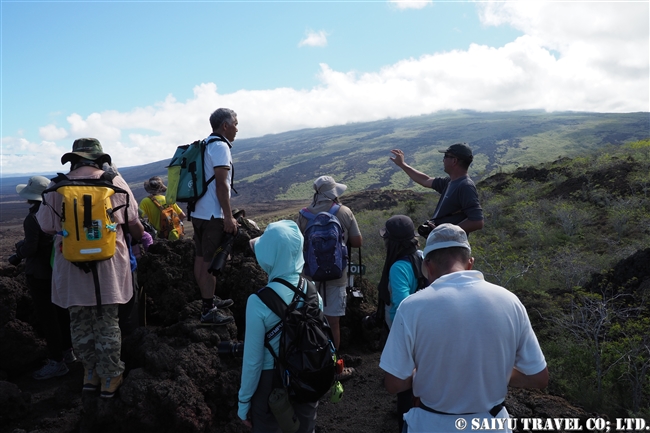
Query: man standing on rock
{"points": [[212, 217], [459, 343], [458, 203]]}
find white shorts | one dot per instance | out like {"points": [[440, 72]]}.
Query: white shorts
{"points": [[334, 300]]}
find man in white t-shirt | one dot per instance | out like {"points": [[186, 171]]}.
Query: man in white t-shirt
{"points": [[460, 343], [212, 216]]}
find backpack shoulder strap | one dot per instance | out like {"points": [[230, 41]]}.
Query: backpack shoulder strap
{"points": [[156, 202], [297, 292], [334, 209], [59, 177], [416, 264], [108, 176], [307, 214], [214, 138], [204, 144], [274, 303]]}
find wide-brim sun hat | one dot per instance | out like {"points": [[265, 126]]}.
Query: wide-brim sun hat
{"points": [[328, 187], [33, 189], [88, 148], [155, 185], [446, 236]]}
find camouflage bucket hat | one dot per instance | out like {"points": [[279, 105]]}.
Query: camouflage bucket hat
{"points": [[88, 148], [155, 186]]}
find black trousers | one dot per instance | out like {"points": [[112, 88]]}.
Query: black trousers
{"points": [[52, 321]]}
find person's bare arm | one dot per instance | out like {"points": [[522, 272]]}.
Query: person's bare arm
{"points": [[223, 195], [415, 175], [520, 380], [394, 384], [471, 226], [356, 241], [136, 229]]}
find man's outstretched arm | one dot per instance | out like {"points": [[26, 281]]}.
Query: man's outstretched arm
{"points": [[415, 175]]}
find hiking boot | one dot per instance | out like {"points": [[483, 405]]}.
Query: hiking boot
{"points": [[215, 317], [346, 374], [69, 357], [222, 303], [110, 385], [50, 370], [91, 380]]}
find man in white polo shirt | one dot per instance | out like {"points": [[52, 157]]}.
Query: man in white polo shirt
{"points": [[459, 342], [212, 217]]}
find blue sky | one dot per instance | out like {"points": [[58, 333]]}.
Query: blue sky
{"points": [[143, 77]]}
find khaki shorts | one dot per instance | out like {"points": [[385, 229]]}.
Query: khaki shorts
{"points": [[334, 300], [207, 236]]}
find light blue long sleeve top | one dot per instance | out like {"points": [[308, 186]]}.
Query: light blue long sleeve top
{"points": [[279, 254], [402, 284]]}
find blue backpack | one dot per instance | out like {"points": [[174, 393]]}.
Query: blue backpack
{"points": [[326, 257]]}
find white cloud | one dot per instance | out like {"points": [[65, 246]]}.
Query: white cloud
{"points": [[22, 156], [410, 4], [314, 39], [52, 133], [601, 66], [608, 35]]}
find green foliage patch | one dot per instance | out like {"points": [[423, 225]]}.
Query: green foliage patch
{"points": [[548, 230]]}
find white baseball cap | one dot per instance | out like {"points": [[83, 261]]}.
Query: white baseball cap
{"points": [[446, 236]]}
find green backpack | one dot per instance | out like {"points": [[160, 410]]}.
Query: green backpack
{"points": [[186, 180]]}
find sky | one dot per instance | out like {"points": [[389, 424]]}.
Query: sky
{"points": [[144, 76]]}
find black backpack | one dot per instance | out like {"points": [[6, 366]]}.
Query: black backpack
{"points": [[307, 358]]}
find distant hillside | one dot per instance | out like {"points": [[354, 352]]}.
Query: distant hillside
{"points": [[283, 166]]}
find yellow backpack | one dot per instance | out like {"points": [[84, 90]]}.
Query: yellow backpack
{"points": [[88, 226], [171, 226]]}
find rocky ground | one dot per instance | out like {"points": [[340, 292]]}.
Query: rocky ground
{"points": [[177, 380]]}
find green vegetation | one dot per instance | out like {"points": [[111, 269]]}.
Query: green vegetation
{"points": [[549, 230], [561, 235]]}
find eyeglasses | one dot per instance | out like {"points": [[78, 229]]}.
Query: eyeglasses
{"points": [[449, 156]]}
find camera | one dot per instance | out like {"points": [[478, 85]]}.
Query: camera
{"points": [[222, 253], [230, 348], [371, 321], [14, 259], [424, 229]]}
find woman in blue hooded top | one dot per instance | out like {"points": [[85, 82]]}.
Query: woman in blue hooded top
{"points": [[279, 253]]}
